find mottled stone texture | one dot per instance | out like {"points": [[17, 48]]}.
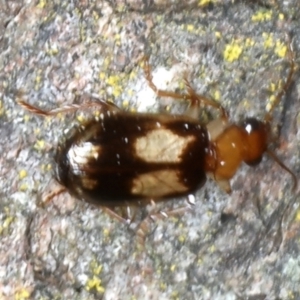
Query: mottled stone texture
{"points": [[239, 246]]}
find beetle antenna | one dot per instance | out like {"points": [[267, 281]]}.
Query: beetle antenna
{"points": [[37, 111], [283, 166], [68, 108]]}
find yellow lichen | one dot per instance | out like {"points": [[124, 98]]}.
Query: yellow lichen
{"points": [[39, 145], [96, 16], [1, 108], [96, 268], [232, 52], [297, 217], [217, 95], [190, 27], [37, 131], [38, 80], [262, 15], [204, 3], [106, 232], [269, 105], [23, 187], [182, 85], [80, 118], [268, 40], [95, 284], [116, 92], [181, 238], [132, 74], [22, 294], [52, 51], [22, 174], [174, 295], [113, 80], [6, 223], [218, 34], [107, 61], [162, 286], [280, 49], [130, 92], [172, 268], [102, 75], [46, 167], [249, 42], [272, 87], [26, 118], [125, 103], [117, 36], [42, 3], [212, 248], [199, 261]]}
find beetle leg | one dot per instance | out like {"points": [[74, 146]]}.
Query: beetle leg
{"points": [[121, 214], [51, 195], [144, 227], [159, 93], [111, 213], [216, 128], [195, 99], [224, 185]]}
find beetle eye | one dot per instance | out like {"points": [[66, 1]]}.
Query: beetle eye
{"points": [[252, 124], [257, 138]]}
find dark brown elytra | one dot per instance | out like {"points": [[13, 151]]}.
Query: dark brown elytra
{"points": [[132, 159]]}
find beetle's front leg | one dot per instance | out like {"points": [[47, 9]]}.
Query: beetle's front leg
{"points": [[159, 93], [195, 99]]}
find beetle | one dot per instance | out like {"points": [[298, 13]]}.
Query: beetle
{"points": [[131, 159]]}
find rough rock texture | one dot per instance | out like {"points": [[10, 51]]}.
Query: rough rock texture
{"points": [[239, 246]]}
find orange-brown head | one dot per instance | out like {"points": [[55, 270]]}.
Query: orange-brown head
{"points": [[257, 139]]}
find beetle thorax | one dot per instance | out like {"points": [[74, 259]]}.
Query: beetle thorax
{"points": [[232, 144]]}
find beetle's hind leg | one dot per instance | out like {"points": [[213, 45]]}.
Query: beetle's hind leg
{"points": [[144, 228], [49, 196], [123, 215]]}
